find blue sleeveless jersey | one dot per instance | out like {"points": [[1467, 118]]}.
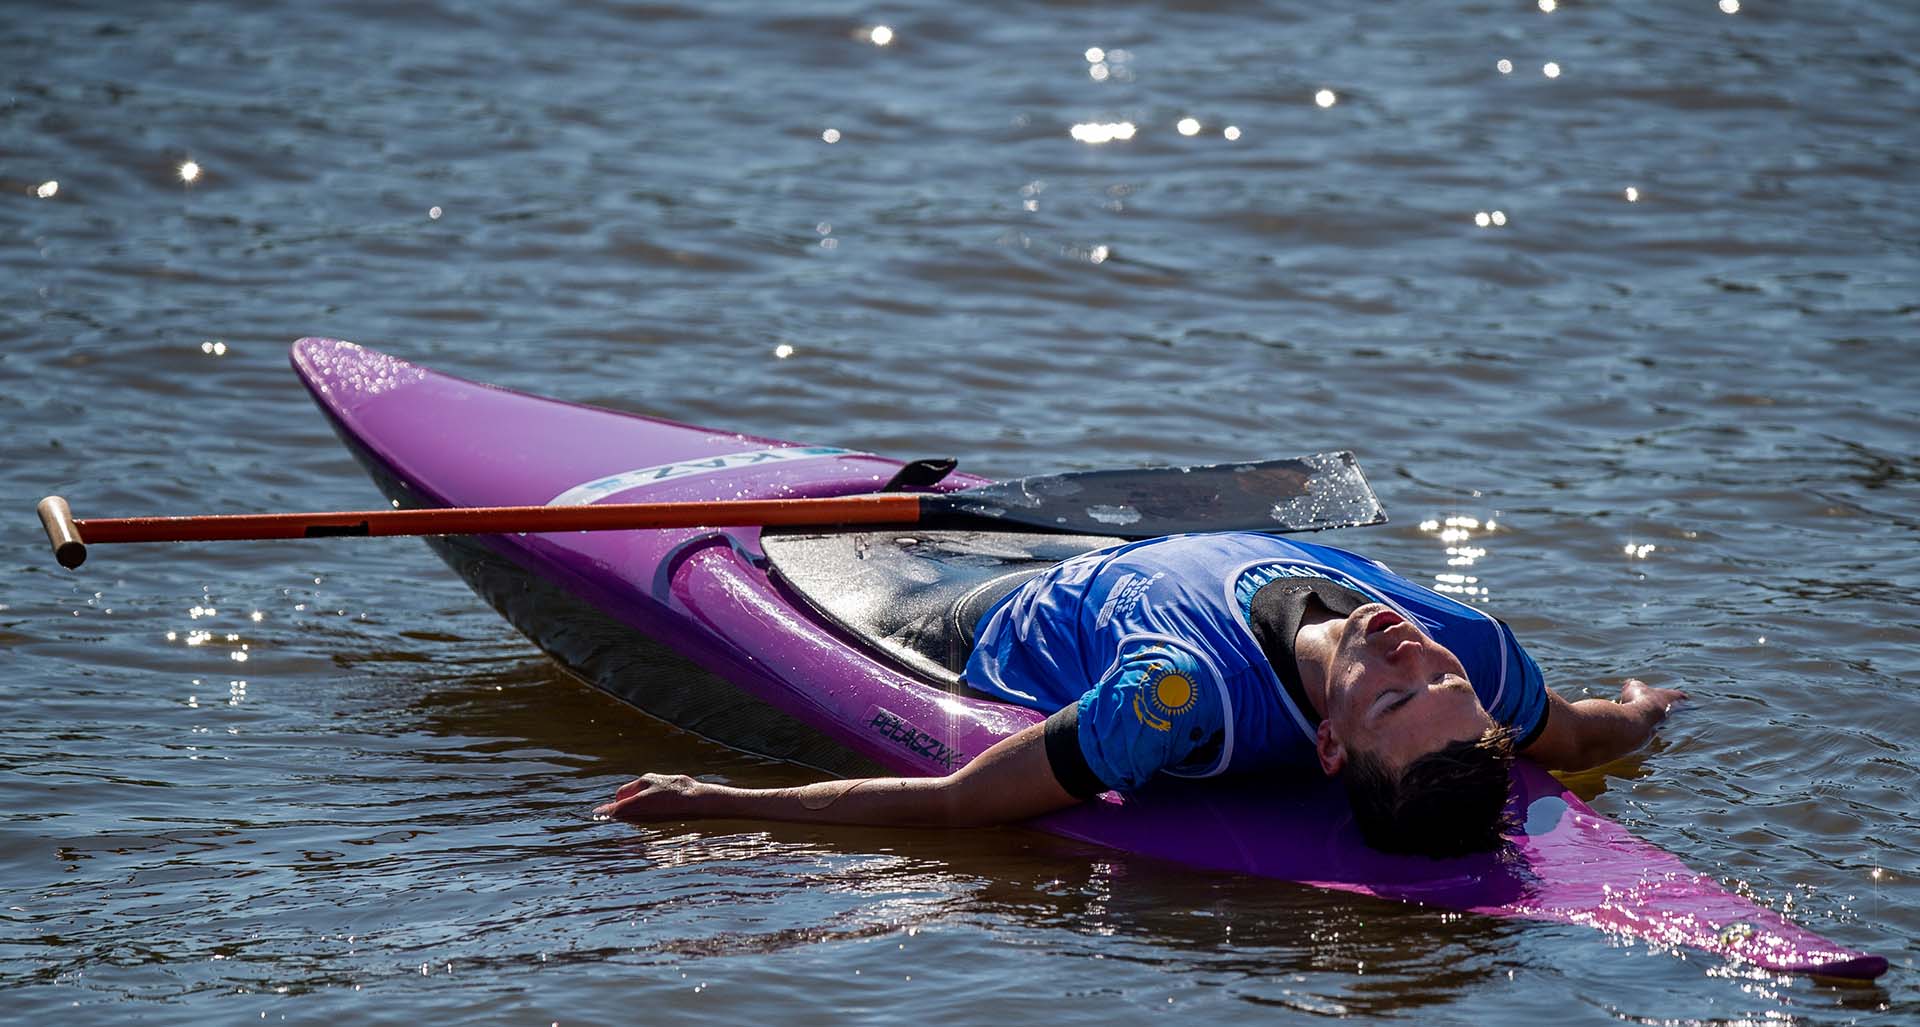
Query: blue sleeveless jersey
{"points": [[1152, 640]]}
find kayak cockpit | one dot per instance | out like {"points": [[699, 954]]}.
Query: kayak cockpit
{"points": [[915, 596]]}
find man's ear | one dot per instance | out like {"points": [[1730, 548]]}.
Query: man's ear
{"points": [[1332, 753]]}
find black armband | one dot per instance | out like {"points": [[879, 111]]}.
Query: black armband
{"points": [[1069, 763], [1520, 743]]}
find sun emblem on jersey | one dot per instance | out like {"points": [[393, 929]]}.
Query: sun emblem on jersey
{"points": [[1168, 694], [1173, 694]]}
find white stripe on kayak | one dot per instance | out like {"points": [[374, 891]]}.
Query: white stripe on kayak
{"points": [[600, 488]]}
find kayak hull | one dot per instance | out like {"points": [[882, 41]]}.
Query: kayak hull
{"points": [[632, 611]]}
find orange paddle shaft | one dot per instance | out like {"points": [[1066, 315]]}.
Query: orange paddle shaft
{"points": [[70, 537]]}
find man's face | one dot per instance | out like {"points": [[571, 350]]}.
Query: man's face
{"points": [[1394, 692]]}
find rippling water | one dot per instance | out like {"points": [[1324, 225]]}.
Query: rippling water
{"points": [[1628, 349]]}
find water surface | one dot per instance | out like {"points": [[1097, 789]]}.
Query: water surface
{"points": [[1658, 412]]}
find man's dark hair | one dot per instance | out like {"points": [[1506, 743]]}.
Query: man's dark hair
{"points": [[1450, 802]]}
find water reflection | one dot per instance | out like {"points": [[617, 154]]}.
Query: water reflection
{"points": [[1456, 533], [189, 171], [1105, 64], [1326, 98], [1030, 194], [720, 888], [1095, 133]]}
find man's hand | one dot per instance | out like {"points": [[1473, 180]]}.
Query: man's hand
{"points": [[1649, 701], [1594, 731], [659, 797]]}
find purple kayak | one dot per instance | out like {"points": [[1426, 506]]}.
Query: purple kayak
{"points": [[839, 651]]}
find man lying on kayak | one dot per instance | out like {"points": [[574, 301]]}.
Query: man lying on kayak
{"points": [[1199, 655]]}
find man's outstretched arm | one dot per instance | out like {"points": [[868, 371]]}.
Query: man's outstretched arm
{"points": [[1590, 732], [1010, 781]]}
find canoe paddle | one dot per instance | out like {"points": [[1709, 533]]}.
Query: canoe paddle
{"points": [[1307, 493]]}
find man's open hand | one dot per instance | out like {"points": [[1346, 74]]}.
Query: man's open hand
{"points": [[657, 797], [1584, 734], [1651, 702]]}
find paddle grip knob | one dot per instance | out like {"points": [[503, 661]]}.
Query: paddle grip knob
{"points": [[62, 532]]}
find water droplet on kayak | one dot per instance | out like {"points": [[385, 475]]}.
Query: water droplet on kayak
{"points": [[1114, 514]]}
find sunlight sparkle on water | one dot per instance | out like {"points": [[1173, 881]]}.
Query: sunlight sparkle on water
{"points": [[1549, 6], [214, 347], [1105, 64], [1551, 69], [1094, 133], [831, 135], [189, 171], [47, 189], [782, 351], [433, 213], [1232, 132], [1505, 66], [1455, 532], [1188, 126], [1729, 6], [880, 34], [1633, 195], [1325, 98]]}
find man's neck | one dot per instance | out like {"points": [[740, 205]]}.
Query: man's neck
{"points": [[1313, 653]]}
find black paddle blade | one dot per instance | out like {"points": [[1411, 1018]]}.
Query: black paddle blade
{"points": [[1305, 493]]}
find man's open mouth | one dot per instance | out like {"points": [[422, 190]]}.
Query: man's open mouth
{"points": [[1383, 620]]}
